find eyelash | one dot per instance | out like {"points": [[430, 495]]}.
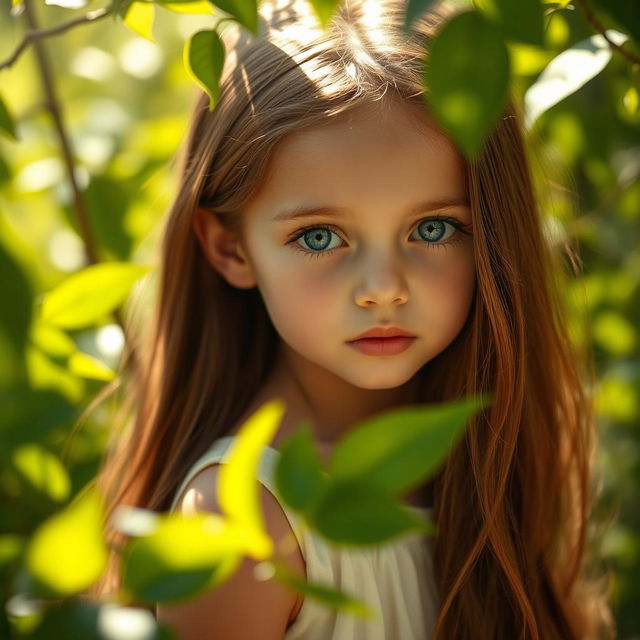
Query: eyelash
{"points": [[461, 228]]}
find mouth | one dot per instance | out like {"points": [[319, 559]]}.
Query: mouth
{"points": [[390, 346]]}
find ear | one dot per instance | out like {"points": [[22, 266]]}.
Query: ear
{"points": [[223, 249]]}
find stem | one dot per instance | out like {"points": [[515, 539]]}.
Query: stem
{"points": [[33, 35], [597, 25], [54, 106]]}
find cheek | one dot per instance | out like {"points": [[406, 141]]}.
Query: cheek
{"points": [[300, 303], [447, 290]]}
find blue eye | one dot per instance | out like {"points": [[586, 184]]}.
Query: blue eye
{"points": [[317, 239], [434, 230], [431, 231]]}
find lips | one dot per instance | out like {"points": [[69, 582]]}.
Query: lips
{"points": [[382, 346], [384, 332]]}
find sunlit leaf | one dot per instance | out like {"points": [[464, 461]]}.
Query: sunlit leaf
{"points": [[51, 339], [139, 18], [199, 6], [466, 79], [181, 557], [86, 366], [567, 72], [43, 471], [90, 294], [203, 57], [238, 488], [67, 553]]}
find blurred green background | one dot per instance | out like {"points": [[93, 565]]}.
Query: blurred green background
{"points": [[125, 102]]}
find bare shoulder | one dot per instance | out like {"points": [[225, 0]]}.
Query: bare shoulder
{"points": [[222, 612]]}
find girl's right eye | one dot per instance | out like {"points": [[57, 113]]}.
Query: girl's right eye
{"points": [[318, 238]]}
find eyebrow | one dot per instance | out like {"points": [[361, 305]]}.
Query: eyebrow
{"points": [[302, 211]]}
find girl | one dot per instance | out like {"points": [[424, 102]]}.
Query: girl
{"points": [[320, 200]]}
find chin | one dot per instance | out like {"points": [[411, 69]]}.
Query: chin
{"points": [[382, 382]]}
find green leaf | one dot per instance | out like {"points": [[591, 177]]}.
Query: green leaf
{"points": [[15, 319], [6, 121], [396, 450], [299, 476], [325, 10], [203, 58], [181, 557], [522, 21], [567, 72], [245, 12], [239, 489], [83, 620], [415, 9], [466, 79], [323, 594], [67, 553], [43, 471], [87, 296], [354, 513]]}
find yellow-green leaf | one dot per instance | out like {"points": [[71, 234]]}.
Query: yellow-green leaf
{"points": [[181, 557], [139, 18], [199, 6], [238, 490], [42, 470], [67, 553], [51, 340], [630, 100], [86, 366], [87, 296]]}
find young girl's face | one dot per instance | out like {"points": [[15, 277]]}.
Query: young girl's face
{"points": [[375, 256]]}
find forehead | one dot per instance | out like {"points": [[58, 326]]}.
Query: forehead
{"points": [[378, 154]]}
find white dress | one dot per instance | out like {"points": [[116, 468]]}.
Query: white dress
{"points": [[395, 579]]}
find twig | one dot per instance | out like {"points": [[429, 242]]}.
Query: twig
{"points": [[54, 106], [33, 35], [600, 29]]}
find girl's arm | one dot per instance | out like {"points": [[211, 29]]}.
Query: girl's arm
{"points": [[242, 608]]}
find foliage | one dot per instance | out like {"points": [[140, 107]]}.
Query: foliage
{"points": [[79, 210]]}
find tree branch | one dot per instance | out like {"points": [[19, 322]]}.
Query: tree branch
{"points": [[33, 35], [54, 107], [597, 25]]}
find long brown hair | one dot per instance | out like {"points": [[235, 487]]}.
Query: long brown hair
{"points": [[514, 500]]}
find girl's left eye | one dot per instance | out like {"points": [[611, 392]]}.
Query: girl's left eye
{"points": [[432, 230]]}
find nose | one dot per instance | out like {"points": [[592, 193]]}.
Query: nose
{"points": [[382, 284]]}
